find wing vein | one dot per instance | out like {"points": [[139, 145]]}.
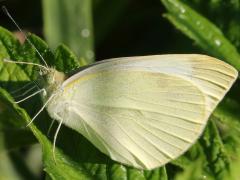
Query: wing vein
{"points": [[103, 141], [170, 115]]}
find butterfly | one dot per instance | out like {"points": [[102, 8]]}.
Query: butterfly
{"points": [[140, 111]]}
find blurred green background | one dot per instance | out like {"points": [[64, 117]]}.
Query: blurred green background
{"points": [[121, 27], [100, 29]]}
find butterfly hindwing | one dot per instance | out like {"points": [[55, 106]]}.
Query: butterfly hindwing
{"points": [[142, 119]]}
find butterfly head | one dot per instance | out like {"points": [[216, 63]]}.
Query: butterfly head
{"points": [[51, 80]]}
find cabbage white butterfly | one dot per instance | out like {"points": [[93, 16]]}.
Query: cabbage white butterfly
{"points": [[141, 111]]}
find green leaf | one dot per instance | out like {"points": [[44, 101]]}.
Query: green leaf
{"points": [[11, 126], [216, 155], [202, 31], [215, 11], [10, 48], [62, 53], [227, 117], [70, 22], [194, 171]]}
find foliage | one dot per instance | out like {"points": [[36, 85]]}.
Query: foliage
{"points": [[70, 23], [216, 155]]}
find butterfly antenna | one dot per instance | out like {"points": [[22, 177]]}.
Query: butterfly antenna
{"points": [[29, 63], [55, 139], [25, 36]]}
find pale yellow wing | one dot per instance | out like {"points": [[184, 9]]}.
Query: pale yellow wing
{"points": [[144, 111]]}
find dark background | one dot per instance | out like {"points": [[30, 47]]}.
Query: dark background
{"points": [[140, 29]]}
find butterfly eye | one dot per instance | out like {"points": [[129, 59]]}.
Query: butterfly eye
{"points": [[44, 92]]}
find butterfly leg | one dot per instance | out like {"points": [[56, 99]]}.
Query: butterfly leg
{"points": [[50, 127], [56, 134]]}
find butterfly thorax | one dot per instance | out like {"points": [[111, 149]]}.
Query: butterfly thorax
{"points": [[51, 81]]}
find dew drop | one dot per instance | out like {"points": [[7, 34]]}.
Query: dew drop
{"points": [[217, 42], [85, 33], [90, 54], [182, 10]]}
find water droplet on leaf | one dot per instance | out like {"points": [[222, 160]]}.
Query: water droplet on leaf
{"points": [[85, 33], [217, 42]]}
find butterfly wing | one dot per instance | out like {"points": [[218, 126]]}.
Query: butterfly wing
{"points": [[212, 76], [141, 119], [145, 111]]}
